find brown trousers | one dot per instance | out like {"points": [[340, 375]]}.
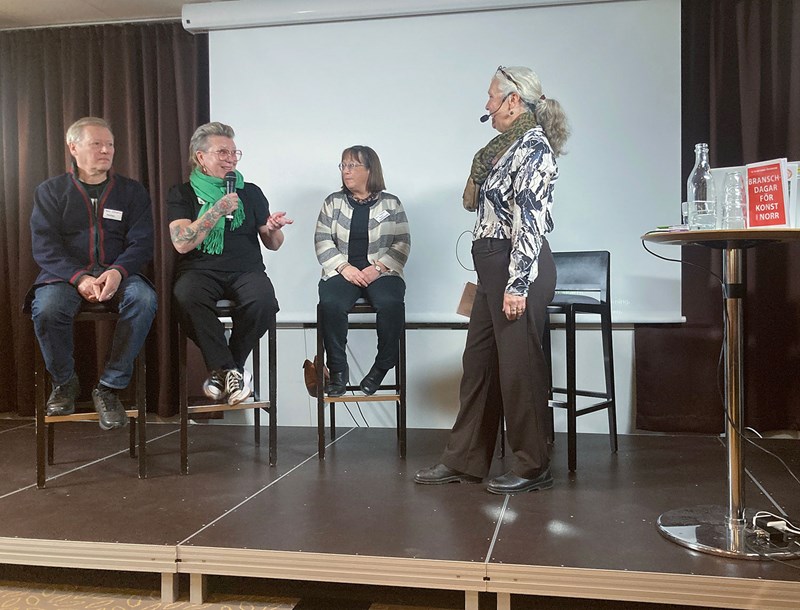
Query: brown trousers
{"points": [[505, 370]]}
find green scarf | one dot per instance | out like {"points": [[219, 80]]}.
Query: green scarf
{"points": [[210, 190], [490, 154]]}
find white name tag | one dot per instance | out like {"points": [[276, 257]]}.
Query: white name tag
{"points": [[382, 216], [112, 214]]}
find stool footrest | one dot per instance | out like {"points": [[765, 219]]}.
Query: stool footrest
{"points": [[598, 406], [584, 393], [364, 398], [84, 416], [210, 408]]}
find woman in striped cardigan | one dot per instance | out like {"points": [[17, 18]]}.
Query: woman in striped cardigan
{"points": [[362, 241]]}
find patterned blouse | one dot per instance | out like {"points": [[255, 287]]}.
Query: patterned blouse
{"points": [[515, 203]]}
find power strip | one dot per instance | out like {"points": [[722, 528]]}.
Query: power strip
{"points": [[776, 529]]}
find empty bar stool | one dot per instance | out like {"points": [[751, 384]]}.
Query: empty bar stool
{"points": [[224, 309], [90, 312], [583, 286], [397, 390]]}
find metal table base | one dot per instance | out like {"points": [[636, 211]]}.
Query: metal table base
{"points": [[723, 530], [708, 529]]}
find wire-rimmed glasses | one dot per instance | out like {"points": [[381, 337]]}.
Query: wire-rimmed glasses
{"points": [[349, 166], [224, 153]]}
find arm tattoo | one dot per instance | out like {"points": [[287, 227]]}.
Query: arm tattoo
{"points": [[207, 222], [188, 235], [183, 235]]}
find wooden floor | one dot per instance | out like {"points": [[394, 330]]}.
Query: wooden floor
{"points": [[357, 518]]}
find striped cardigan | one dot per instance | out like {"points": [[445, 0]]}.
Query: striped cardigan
{"points": [[389, 237]]}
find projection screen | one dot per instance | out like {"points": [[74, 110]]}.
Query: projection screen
{"points": [[413, 88]]}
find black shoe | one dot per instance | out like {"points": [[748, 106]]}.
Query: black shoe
{"points": [[372, 381], [440, 474], [337, 384], [511, 483], [237, 385], [62, 398], [214, 386], [109, 408]]}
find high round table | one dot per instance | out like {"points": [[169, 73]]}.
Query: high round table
{"points": [[723, 530]]}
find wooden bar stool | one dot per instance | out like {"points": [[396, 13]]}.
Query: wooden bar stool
{"points": [[224, 310], [45, 433], [397, 390]]}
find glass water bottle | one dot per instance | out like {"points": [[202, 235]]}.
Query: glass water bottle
{"points": [[700, 193]]}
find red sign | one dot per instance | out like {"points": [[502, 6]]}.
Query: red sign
{"points": [[766, 194]]}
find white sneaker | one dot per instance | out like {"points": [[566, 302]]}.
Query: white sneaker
{"points": [[237, 386], [214, 386]]}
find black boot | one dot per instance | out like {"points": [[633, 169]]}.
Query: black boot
{"points": [[372, 381], [337, 385]]}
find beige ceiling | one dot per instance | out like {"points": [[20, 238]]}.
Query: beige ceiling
{"points": [[40, 13]]}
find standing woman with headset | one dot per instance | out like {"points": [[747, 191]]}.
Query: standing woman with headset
{"points": [[505, 369]]}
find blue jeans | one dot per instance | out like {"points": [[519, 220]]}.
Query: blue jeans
{"points": [[53, 311]]}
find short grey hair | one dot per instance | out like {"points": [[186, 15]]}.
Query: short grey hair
{"points": [[75, 131], [199, 141], [547, 111]]}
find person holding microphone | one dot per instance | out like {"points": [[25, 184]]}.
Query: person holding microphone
{"points": [[217, 222]]}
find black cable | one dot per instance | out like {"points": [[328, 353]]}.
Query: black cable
{"points": [[358, 406], [791, 563], [458, 241], [366, 423], [720, 389], [677, 260], [350, 413]]}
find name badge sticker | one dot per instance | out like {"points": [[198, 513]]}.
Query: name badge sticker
{"points": [[112, 214], [382, 216]]}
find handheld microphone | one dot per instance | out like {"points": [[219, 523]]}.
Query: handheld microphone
{"points": [[230, 187], [486, 117]]}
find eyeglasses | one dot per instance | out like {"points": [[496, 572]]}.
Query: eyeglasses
{"points": [[350, 166], [502, 70], [224, 153]]}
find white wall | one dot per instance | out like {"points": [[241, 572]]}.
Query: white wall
{"points": [[413, 88]]}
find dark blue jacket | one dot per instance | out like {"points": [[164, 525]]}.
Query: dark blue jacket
{"points": [[68, 240]]}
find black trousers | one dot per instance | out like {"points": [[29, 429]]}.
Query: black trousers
{"points": [[337, 296], [196, 294], [505, 370]]}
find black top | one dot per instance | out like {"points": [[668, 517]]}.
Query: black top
{"points": [[358, 244], [94, 190], [241, 251]]}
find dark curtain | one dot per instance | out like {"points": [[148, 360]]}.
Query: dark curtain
{"points": [[150, 81], [741, 88]]}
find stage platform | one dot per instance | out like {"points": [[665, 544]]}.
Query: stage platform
{"points": [[358, 518]]}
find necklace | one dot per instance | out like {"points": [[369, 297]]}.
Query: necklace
{"points": [[368, 199]]}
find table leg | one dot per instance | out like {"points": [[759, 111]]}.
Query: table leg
{"points": [[716, 529]]}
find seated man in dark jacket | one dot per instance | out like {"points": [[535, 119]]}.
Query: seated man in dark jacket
{"points": [[91, 235]]}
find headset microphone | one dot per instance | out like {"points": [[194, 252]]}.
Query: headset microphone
{"points": [[230, 187], [486, 117]]}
